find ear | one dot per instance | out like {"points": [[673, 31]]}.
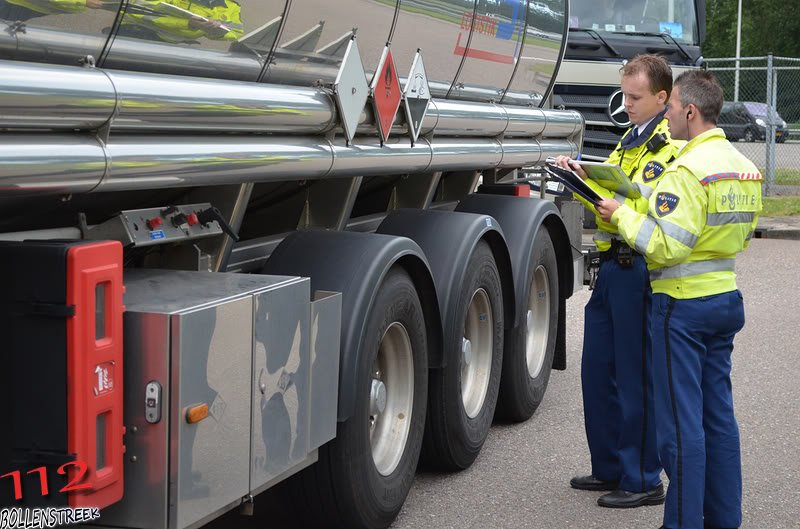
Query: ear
{"points": [[662, 97]]}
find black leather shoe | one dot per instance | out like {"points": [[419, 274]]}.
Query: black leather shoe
{"points": [[622, 499], [591, 483]]}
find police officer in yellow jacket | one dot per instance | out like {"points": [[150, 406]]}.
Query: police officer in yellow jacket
{"points": [[173, 21], [703, 212], [616, 363], [182, 21]]}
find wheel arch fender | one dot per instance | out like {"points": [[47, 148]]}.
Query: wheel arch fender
{"points": [[356, 264], [448, 239]]}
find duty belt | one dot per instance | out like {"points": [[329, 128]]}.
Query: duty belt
{"points": [[619, 252]]}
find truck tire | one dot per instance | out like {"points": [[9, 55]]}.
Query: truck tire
{"points": [[463, 393], [364, 474], [529, 351]]}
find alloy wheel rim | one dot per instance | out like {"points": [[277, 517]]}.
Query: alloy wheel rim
{"points": [[476, 353], [391, 398]]}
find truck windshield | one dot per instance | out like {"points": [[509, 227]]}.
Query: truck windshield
{"points": [[678, 18]]}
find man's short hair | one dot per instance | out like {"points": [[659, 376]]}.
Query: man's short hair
{"points": [[655, 68], [701, 89]]}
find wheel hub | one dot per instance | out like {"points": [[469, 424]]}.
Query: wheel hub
{"points": [[377, 397], [466, 351]]}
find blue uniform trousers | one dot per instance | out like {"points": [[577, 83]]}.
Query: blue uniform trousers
{"points": [[616, 378], [698, 437]]}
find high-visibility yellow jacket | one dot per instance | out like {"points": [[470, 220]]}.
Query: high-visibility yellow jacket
{"points": [[170, 27], [702, 213], [645, 169], [51, 7]]}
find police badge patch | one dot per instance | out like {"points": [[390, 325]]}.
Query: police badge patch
{"points": [[652, 171], [666, 203]]}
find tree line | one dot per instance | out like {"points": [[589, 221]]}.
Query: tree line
{"points": [[768, 26]]}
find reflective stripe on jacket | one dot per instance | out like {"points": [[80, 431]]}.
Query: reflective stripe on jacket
{"points": [[645, 169], [702, 213]]}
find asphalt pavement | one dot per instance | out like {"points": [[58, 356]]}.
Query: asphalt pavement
{"points": [[520, 480]]}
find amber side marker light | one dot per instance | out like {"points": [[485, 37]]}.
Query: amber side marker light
{"points": [[196, 413]]}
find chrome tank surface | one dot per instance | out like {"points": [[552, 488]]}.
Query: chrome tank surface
{"points": [[504, 51]]}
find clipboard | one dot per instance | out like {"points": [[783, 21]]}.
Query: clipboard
{"points": [[611, 177], [164, 8], [573, 182]]}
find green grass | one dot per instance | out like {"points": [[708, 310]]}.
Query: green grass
{"points": [[538, 41], [787, 177], [784, 176], [780, 206]]}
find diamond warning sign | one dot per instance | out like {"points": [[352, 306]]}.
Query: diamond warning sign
{"points": [[417, 96], [386, 94], [351, 89]]}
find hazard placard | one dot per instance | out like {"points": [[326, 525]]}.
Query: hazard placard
{"points": [[350, 90], [386, 94], [417, 95]]}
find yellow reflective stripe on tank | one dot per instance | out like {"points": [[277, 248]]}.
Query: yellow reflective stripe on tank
{"points": [[693, 269], [730, 217], [646, 191]]}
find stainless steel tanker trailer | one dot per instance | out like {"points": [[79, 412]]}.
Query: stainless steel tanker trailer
{"points": [[273, 245]]}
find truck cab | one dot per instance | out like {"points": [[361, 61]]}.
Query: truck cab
{"points": [[602, 36]]}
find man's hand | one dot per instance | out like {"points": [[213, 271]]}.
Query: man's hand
{"points": [[606, 208], [566, 162]]}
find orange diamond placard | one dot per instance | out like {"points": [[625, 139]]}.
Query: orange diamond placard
{"points": [[386, 94]]}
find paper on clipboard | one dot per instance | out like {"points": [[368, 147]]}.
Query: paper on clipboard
{"points": [[611, 177], [178, 12], [573, 182]]}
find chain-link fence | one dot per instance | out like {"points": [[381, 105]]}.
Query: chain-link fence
{"points": [[761, 115]]}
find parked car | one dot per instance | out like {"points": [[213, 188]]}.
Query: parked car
{"points": [[748, 120]]}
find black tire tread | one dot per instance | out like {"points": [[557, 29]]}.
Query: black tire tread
{"points": [[517, 400], [325, 495], [446, 445]]}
